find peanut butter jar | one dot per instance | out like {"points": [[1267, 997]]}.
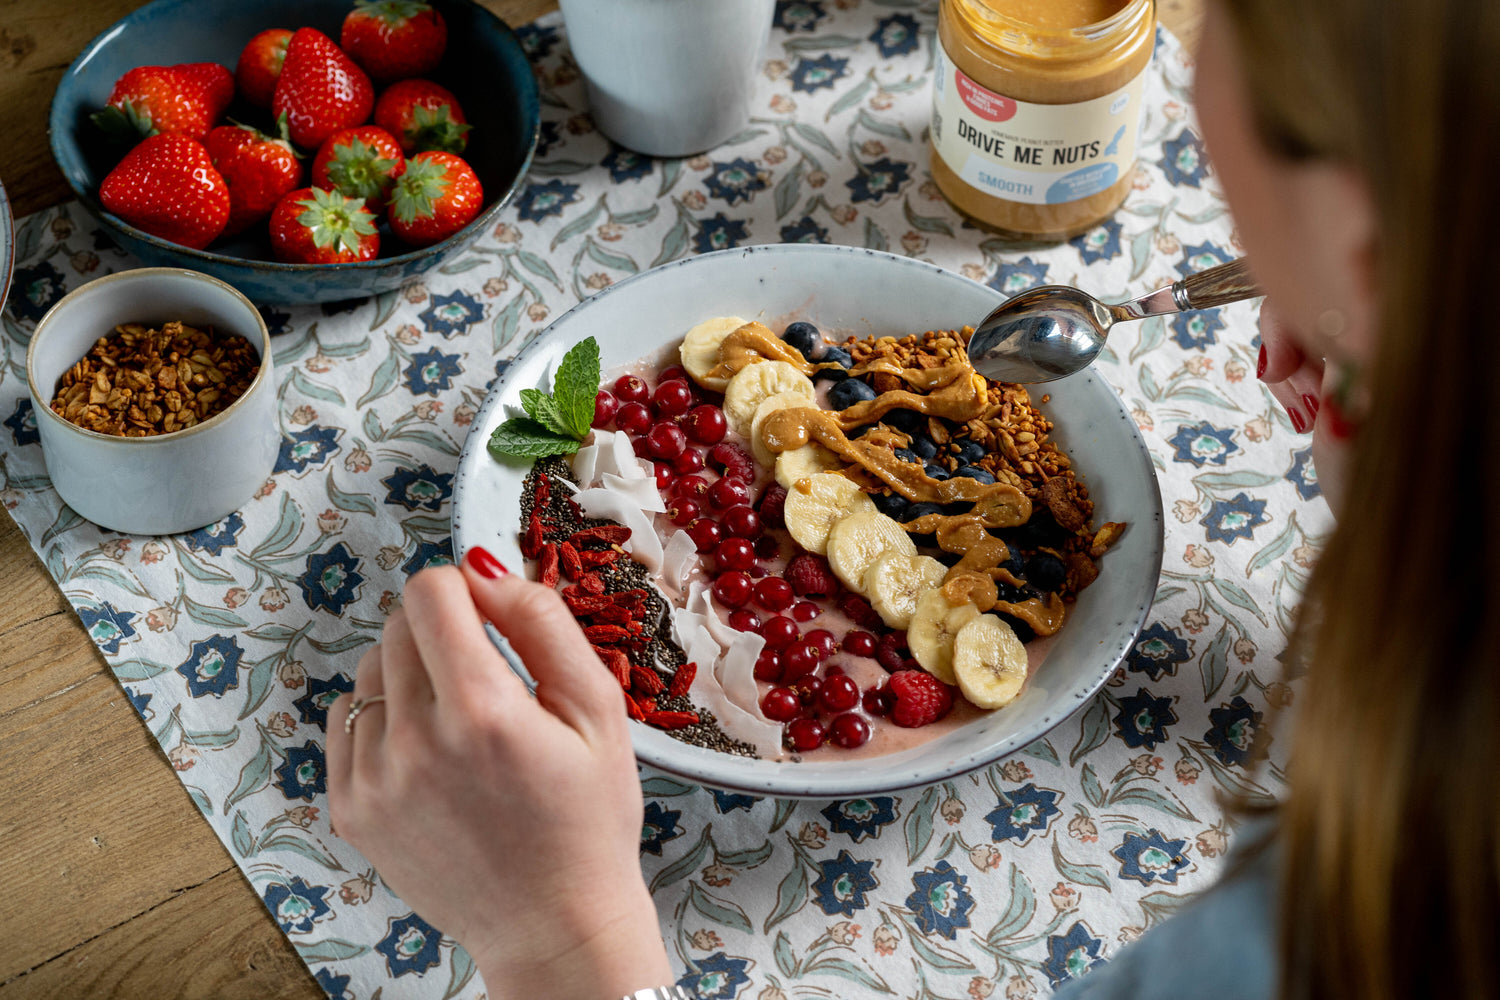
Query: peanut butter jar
{"points": [[1036, 105]]}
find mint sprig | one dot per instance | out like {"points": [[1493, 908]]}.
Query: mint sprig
{"points": [[555, 423]]}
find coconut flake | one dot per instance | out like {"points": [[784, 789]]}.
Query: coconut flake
{"points": [[642, 492], [643, 543], [586, 461], [699, 646], [626, 464], [678, 559]]}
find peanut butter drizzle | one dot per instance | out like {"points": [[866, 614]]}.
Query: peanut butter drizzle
{"points": [[956, 392], [972, 580], [998, 505], [755, 342]]}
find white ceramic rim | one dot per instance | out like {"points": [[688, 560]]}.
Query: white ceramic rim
{"points": [[7, 245], [43, 403], [837, 786]]}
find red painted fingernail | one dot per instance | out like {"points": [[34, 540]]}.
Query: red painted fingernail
{"points": [[1260, 364], [1335, 421], [485, 564], [1299, 423], [1311, 402]]}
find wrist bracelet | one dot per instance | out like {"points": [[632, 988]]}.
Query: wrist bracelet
{"points": [[673, 992]]}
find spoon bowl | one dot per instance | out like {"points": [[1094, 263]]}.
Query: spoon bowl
{"points": [[1051, 331]]}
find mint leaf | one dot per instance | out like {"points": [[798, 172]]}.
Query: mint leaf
{"points": [[543, 409], [576, 385], [522, 437]]}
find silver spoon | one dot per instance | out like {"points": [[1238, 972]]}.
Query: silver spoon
{"points": [[1052, 331]]}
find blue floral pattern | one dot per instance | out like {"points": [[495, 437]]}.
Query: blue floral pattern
{"points": [[297, 905], [377, 396], [860, 818], [940, 900], [842, 883]]}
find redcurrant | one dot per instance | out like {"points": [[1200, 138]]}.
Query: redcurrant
{"points": [[773, 593], [672, 399], [605, 408], [705, 424], [704, 533], [632, 389], [805, 734], [779, 632], [850, 731], [839, 694], [736, 553], [780, 704], [633, 418], [731, 589]]}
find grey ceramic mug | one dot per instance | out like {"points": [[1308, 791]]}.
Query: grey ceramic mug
{"points": [[668, 77]]}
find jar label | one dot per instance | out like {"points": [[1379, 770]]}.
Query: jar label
{"points": [[1042, 154]]}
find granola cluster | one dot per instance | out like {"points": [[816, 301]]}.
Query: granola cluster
{"points": [[140, 382]]}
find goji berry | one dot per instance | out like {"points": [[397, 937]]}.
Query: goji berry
{"points": [[571, 567], [543, 491], [548, 573], [633, 708], [617, 662], [611, 614], [682, 680], [605, 634], [646, 705], [592, 582], [531, 539], [671, 720], [593, 559], [645, 681], [609, 534], [585, 604]]}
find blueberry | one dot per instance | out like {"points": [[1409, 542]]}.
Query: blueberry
{"points": [[1042, 529], [858, 432], [849, 392], [805, 338], [1009, 593], [1023, 631], [935, 471], [924, 446], [1014, 562], [892, 505], [957, 507], [970, 452], [906, 421], [917, 510], [906, 455], [975, 473], [837, 355], [1045, 571]]}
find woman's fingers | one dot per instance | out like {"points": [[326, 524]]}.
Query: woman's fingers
{"points": [[340, 750], [1293, 378], [462, 663], [407, 685], [570, 680]]}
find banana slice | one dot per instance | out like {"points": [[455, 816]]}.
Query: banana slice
{"points": [[754, 383], [989, 662], [856, 541], [700, 350], [809, 460], [895, 581], [933, 627], [816, 502], [781, 401]]}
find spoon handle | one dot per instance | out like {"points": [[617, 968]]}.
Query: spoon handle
{"points": [[1217, 286]]}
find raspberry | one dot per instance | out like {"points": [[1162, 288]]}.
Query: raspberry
{"points": [[772, 506], [921, 698], [858, 611], [890, 651], [732, 461], [809, 575]]}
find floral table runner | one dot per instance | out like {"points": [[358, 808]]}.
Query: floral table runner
{"points": [[232, 641]]}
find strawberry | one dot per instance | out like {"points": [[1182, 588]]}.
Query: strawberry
{"points": [[320, 90], [153, 100], [260, 64], [394, 39], [423, 115], [360, 162], [167, 186], [313, 226], [258, 168], [434, 198], [921, 699], [216, 82]]}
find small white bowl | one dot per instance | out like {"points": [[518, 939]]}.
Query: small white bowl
{"points": [[171, 482]]}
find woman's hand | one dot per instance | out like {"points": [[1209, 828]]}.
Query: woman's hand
{"points": [[1293, 377], [509, 822]]}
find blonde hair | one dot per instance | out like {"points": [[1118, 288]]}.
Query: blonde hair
{"points": [[1390, 836]]}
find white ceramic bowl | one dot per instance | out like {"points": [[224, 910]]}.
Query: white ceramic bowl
{"points": [[862, 292], [171, 482]]}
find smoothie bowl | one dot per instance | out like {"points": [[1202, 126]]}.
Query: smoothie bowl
{"points": [[821, 555]]}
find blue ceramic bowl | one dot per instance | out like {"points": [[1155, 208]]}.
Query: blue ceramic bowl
{"points": [[484, 66]]}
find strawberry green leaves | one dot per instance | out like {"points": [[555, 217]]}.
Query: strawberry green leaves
{"points": [[555, 423]]}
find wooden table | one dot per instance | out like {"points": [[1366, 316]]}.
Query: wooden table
{"points": [[111, 884]]}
